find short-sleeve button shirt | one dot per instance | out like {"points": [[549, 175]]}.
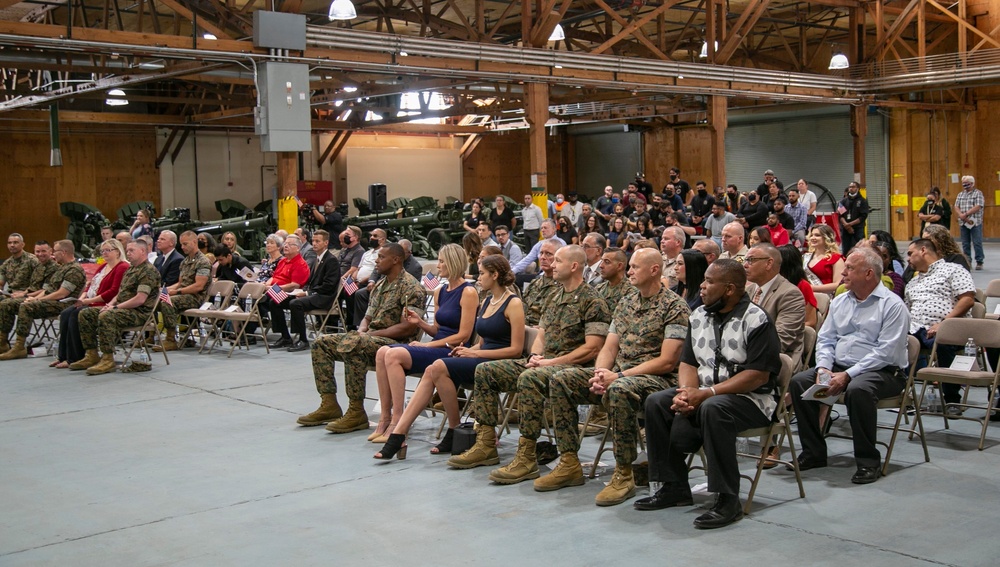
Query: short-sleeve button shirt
{"points": [[570, 316], [931, 296], [642, 324]]}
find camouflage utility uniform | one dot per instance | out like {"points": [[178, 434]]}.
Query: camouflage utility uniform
{"points": [[17, 272], [137, 279], [613, 294], [357, 350], [641, 325], [568, 319], [68, 276], [539, 291], [197, 265], [39, 274]]}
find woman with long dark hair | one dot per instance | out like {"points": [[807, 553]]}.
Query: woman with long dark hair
{"points": [[792, 270], [691, 266]]}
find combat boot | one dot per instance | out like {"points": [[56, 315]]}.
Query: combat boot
{"points": [[4, 344], [355, 419], [16, 351], [620, 489], [523, 467], [482, 453], [168, 344], [567, 473], [329, 410], [90, 359], [107, 364]]}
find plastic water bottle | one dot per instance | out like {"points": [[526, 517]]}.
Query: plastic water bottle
{"points": [[217, 302], [933, 403], [249, 303], [970, 347], [143, 357]]}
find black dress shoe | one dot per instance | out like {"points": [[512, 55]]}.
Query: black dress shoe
{"points": [[283, 342], [806, 463], [727, 510], [866, 475], [668, 496], [299, 346]]}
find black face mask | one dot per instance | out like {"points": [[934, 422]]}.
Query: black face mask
{"points": [[702, 192], [373, 240], [717, 306], [672, 176]]}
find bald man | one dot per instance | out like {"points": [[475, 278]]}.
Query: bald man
{"points": [[733, 247], [571, 333], [639, 358]]}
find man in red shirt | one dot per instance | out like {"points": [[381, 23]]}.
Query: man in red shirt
{"points": [[291, 273]]}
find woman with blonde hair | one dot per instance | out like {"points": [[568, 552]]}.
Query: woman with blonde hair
{"points": [[946, 246], [823, 264], [500, 326], [141, 226], [454, 318], [102, 289]]}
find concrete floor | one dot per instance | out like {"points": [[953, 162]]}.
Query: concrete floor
{"points": [[201, 463]]}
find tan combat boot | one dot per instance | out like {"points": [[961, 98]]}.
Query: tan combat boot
{"points": [[482, 453], [567, 473], [355, 419], [168, 344], [620, 489], [329, 410], [4, 344], [598, 423], [523, 467], [90, 359], [107, 364], [16, 351]]}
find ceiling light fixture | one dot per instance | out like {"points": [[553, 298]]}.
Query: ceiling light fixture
{"points": [[342, 10], [116, 101], [839, 61], [557, 34], [704, 50], [207, 35]]}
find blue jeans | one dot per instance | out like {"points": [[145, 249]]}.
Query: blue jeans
{"points": [[975, 236]]}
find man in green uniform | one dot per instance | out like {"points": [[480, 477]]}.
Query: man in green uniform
{"points": [[615, 284], [383, 324], [136, 297], [640, 357], [66, 281], [23, 274], [542, 287], [570, 334], [191, 288]]}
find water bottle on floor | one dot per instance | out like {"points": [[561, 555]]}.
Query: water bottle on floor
{"points": [[217, 302]]}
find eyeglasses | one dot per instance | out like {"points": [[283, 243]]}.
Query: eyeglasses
{"points": [[749, 260], [107, 250]]}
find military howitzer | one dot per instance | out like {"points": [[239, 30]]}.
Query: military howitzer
{"points": [[84, 228], [428, 230]]}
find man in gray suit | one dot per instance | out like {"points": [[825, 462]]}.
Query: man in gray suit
{"points": [[779, 298]]}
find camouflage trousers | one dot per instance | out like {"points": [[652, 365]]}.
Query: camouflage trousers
{"points": [[623, 399], [8, 312], [28, 312], [531, 385], [355, 350], [171, 313], [107, 326]]}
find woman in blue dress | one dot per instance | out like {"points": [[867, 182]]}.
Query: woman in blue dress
{"points": [[500, 325], [454, 319]]}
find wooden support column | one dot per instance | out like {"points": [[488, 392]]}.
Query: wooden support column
{"points": [[537, 106], [288, 173], [718, 118], [859, 129]]}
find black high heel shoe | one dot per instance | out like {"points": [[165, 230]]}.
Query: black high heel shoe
{"points": [[445, 445], [394, 447]]}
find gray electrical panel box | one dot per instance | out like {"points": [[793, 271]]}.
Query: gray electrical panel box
{"points": [[283, 120], [277, 30]]}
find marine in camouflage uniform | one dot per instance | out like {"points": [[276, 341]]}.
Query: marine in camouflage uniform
{"points": [[192, 266], [538, 292], [357, 350], [69, 276], [107, 322], [569, 317], [613, 294], [641, 325], [41, 274], [17, 272]]}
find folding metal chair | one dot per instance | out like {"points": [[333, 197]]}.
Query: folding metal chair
{"points": [[222, 287], [240, 318], [139, 335], [323, 315]]}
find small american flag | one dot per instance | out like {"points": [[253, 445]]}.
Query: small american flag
{"points": [[165, 297], [431, 281], [276, 293], [350, 286]]}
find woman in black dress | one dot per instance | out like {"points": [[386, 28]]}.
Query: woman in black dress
{"points": [[500, 326]]}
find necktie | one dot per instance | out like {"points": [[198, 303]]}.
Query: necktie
{"points": [[757, 294], [586, 274]]}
